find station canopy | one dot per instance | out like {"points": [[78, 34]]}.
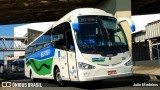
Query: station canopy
{"points": [[29, 11]]}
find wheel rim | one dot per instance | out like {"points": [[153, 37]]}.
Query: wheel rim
{"points": [[58, 77]]}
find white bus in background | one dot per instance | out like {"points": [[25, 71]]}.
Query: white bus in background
{"points": [[87, 44]]}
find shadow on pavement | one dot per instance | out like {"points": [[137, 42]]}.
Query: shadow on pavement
{"points": [[110, 83], [13, 76]]}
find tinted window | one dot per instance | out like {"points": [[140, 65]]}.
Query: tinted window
{"points": [[39, 40], [47, 36], [58, 35], [46, 44], [30, 50], [27, 51], [39, 47]]}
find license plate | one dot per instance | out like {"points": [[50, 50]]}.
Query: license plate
{"points": [[112, 72]]}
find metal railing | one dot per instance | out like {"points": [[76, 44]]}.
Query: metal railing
{"points": [[12, 43]]}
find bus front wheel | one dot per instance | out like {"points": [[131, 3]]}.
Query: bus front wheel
{"points": [[57, 77]]}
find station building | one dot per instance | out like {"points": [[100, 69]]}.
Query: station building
{"points": [[146, 43]]}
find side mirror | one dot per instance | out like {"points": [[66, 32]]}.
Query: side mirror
{"points": [[74, 21], [75, 26], [130, 21]]}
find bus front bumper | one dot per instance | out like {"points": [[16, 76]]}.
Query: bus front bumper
{"points": [[102, 74]]}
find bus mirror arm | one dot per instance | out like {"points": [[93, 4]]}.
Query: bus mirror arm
{"points": [[130, 21]]}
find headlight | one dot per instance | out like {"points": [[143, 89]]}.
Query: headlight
{"points": [[129, 63], [85, 66]]}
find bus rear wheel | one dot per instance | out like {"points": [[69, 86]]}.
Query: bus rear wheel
{"points": [[58, 78]]}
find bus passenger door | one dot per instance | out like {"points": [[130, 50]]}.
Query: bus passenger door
{"points": [[62, 56], [73, 71], [59, 42]]}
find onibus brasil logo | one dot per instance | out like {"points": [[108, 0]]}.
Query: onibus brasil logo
{"points": [[18, 84]]}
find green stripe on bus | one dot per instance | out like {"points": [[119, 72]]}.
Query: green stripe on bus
{"points": [[41, 67]]}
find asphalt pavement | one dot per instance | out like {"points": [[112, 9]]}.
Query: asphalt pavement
{"points": [[128, 83], [147, 70]]}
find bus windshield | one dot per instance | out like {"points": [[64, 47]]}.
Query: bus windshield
{"points": [[100, 35]]}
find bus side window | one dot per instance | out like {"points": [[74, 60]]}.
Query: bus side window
{"points": [[30, 49], [47, 36], [34, 48], [39, 47], [46, 44], [26, 51], [58, 37]]}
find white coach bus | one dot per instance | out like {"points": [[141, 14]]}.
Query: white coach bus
{"points": [[87, 44]]}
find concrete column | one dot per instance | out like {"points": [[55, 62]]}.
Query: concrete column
{"points": [[150, 49], [123, 9], [5, 64], [119, 8]]}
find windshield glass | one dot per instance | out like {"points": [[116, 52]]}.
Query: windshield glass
{"points": [[100, 35]]}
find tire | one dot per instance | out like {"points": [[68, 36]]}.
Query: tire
{"points": [[57, 77], [31, 76]]}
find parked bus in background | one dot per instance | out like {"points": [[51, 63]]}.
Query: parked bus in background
{"points": [[87, 44], [17, 65]]}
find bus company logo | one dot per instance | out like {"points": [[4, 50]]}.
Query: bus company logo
{"points": [[6, 84], [45, 53]]}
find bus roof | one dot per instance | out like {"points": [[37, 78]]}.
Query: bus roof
{"points": [[77, 12], [82, 11]]}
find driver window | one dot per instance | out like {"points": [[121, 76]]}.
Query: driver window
{"points": [[69, 37], [119, 35]]}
